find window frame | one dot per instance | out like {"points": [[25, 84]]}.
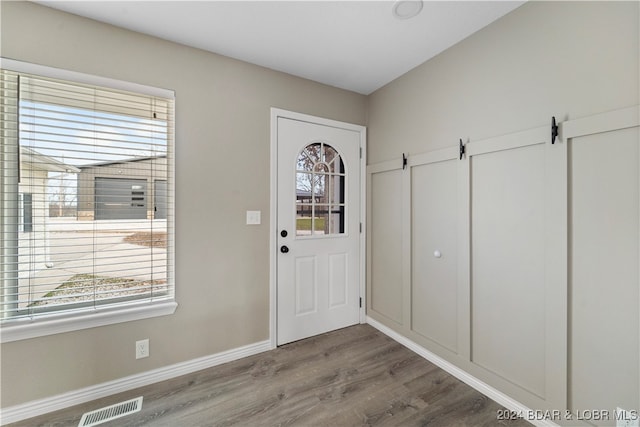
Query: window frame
{"points": [[78, 319]]}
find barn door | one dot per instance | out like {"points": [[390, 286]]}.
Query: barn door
{"points": [[518, 250]]}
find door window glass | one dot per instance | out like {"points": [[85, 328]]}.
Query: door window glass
{"points": [[320, 198]]}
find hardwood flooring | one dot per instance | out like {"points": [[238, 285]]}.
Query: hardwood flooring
{"points": [[355, 376]]}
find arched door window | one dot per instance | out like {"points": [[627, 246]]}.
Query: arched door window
{"points": [[320, 184]]}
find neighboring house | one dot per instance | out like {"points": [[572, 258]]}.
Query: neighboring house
{"points": [[33, 213], [303, 205], [129, 189]]}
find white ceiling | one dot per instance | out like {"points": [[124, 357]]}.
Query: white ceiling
{"points": [[354, 45]]}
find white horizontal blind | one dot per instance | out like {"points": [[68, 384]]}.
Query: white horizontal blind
{"points": [[87, 197]]}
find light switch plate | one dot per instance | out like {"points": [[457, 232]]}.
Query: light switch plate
{"points": [[253, 217]]}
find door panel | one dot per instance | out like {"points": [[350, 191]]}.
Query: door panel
{"points": [[434, 284], [305, 286], [385, 216], [338, 279], [508, 265], [604, 282], [518, 249], [318, 222]]}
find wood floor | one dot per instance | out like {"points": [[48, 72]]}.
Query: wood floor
{"points": [[355, 376]]}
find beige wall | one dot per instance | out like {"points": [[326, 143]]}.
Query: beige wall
{"points": [[222, 170], [563, 59]]}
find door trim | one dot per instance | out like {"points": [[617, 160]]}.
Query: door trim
{"points": [[273, 209]]}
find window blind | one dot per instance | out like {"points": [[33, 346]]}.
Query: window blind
{"points": [[87, 197]]}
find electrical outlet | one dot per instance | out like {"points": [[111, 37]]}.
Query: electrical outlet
{"points": [[626, 418], [142, 349]]}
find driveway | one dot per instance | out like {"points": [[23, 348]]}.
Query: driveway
{"points": [[97, 248]]}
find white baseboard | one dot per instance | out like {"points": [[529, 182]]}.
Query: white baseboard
{"points": [[460, 374], [42, 406]]}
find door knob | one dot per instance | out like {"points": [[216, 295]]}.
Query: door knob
{"points": [[284, 249]]}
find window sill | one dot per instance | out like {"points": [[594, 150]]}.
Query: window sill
{"points": [[26, 329]]}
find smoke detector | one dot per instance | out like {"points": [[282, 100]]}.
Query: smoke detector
{"points": [[405, 9]]}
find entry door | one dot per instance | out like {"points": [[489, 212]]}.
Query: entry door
{"points": [[160, 199], [318, 226]]}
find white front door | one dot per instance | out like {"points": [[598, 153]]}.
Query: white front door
{"points": [[318, 228]]}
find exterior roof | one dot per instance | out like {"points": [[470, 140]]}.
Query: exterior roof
{"points": [[46, 163], [130, 160]]}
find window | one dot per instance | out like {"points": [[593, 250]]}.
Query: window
{"points": [[81, 245], [26, 208], [320, 180]]}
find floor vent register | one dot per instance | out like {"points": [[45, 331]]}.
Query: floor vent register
{"points": [[112, 412]]}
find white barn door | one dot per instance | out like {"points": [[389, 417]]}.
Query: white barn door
{"points": [[518, 222]]}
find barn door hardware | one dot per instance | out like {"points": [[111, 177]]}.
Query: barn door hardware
{"points": [[554, 130], [461, 149], [404, 161]]}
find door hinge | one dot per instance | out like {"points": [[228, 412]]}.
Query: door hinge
{"points": [[360, 302], [360, 152], [360, 228], [462, 150]]}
